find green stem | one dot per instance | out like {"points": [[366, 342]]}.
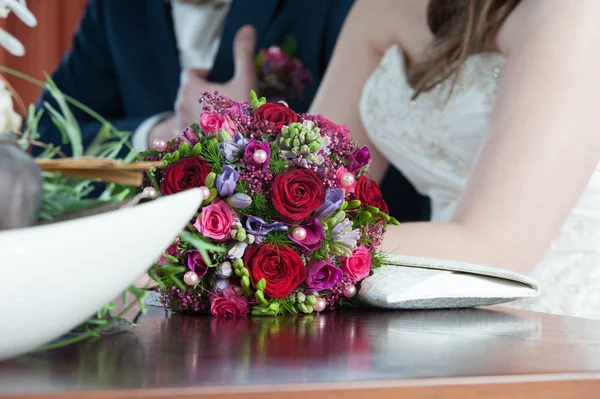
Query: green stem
{"points": [[71, 100], [86, 335]]}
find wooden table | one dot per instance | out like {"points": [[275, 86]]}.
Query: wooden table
{"points": [[484, 353]]}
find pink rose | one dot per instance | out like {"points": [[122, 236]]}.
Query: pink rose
{"points": [[358, 266], [339, 179], [215, 221], [212, 121], [229, 303]]}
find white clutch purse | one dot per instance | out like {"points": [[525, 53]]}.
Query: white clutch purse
{"points": [[422, 283]]}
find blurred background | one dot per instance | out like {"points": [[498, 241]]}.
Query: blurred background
{"points": [[46, 44]]}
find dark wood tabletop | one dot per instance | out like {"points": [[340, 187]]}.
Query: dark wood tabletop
{"points": [[476, 353]]}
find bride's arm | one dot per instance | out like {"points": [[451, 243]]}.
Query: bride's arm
{"points": [[542, 144], [358, 51], [541, 148]]}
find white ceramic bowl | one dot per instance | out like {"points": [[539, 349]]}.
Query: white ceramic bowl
{"points": [[54, 277]]}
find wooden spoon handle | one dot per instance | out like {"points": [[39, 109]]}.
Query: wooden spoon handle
{"points": [[107, 170]]}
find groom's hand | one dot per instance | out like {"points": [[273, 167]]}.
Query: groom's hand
{"points": [[187, 108]]}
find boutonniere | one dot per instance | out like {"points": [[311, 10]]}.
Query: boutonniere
{"points": [[281, 75]]}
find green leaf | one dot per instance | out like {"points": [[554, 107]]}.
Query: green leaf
{"points": [[255, 101], [245, 281], [260, 297], [172, 269], [259, 61], [201, 245], [289, 46], [171, 258], [353, 204], [33, 119], [261, 285]]}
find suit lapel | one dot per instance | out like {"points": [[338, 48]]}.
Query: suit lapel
{"points": [[257, 13], [164, 46]]}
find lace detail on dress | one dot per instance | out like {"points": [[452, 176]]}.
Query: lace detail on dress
{"points": [[434, 141]]}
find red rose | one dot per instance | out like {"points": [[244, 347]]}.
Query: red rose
{"points": [[185, 174], [368, 193], [297, 193], [280, 266], [277, 114]]}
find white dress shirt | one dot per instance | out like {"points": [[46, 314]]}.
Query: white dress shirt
{"points": [[198, 28]]}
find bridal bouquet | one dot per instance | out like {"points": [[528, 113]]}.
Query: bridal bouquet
{"points": [[281, 75], [292, 219]]}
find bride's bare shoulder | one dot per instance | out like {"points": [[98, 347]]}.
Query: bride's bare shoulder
{"points": [[387, 22], [548, 21]]}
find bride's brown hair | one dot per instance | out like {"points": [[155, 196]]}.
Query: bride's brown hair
{"points": [[461, 28]]}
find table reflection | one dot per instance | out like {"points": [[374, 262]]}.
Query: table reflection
{"points": [[176, 351]]}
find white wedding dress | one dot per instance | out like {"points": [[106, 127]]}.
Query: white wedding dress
{"points": [[434, 143]]}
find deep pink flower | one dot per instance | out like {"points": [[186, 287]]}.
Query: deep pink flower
{"points": [[172, 250], [327, 124], [229, 303], [213, 121], [190, 136], [215, 221], [358, 266]]}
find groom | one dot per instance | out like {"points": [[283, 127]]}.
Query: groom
{"points": [[142, 64]]}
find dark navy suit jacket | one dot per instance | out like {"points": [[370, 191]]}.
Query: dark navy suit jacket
{"points": [[124, 63]]}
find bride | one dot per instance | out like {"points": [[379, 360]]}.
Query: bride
{"points": [[489, 107]]}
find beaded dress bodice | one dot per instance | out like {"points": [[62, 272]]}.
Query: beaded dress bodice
{"points": [[434, 141]]}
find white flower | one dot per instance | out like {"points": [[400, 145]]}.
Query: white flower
{"points": [[10, 121], [19, 8]]}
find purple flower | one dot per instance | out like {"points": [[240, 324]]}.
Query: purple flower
{"points": [[239, 201], [190, 137], [237, 250], [258, 227], [359, 159], [226, 181], [225, 270], [343, 233], [233, 151], [221, 284], [333, 201], [314, 234], [234, 109], [193, 260], [251, 148], [322, 275]]}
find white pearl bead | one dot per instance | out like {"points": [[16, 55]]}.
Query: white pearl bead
{"points": [[159, 145], [205, 192], [260, 156], [348, 179], [350, 291], [320, 305], [150, 192], [190, 278], [299, 233]]}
